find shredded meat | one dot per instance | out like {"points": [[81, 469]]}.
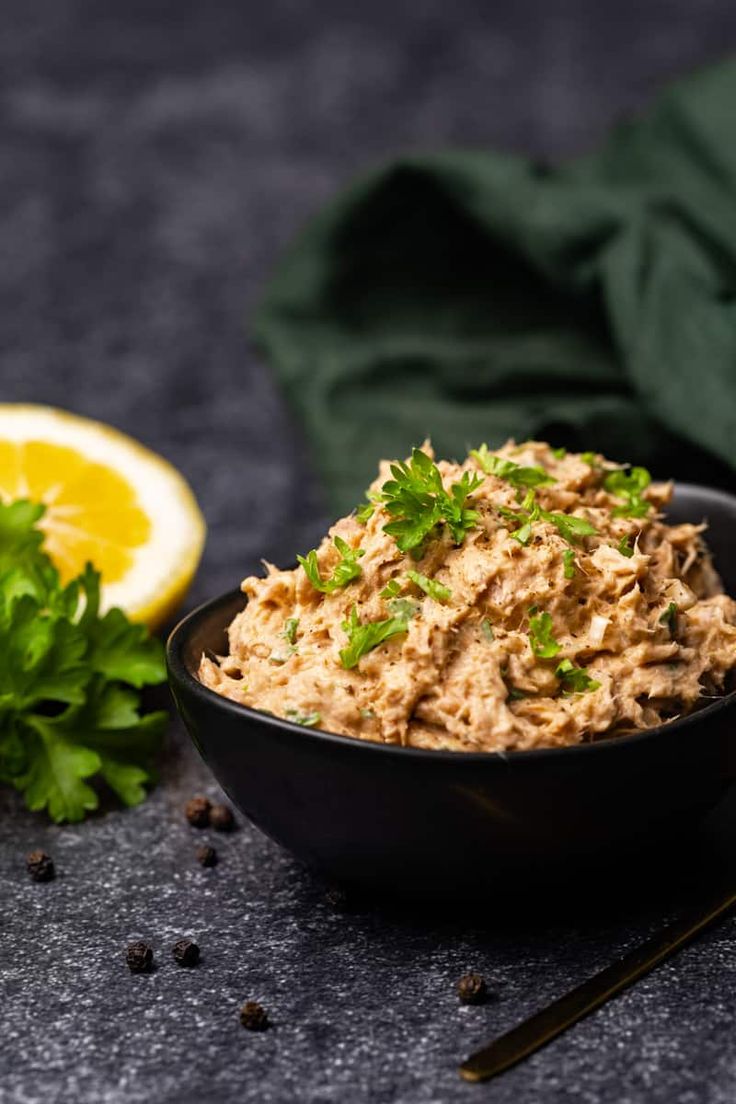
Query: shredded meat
{"points": [[653, 629]]}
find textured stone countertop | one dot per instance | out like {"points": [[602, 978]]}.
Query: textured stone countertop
{"points": [[155, 158]]}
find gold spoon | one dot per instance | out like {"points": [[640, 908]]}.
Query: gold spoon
{"points": [[543, 1026]]}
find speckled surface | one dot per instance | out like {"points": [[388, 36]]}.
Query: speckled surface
{"points": [[155, 157]]}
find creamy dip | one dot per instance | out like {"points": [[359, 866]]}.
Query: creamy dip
{"points": [[544, 603]]}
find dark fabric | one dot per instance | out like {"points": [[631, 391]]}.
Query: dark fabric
{"points": [[471, 296]]}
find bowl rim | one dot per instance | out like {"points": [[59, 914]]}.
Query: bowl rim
{"points": [[180, 674]]}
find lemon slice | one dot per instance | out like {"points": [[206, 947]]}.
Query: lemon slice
{"points": [[108, 500]]}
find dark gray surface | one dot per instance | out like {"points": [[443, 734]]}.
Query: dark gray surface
{"points": [[155, 157]]}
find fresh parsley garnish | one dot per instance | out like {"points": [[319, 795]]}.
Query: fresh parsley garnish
{"points": [[419, 503], [629, 485], [487, 629], [291, 626], [559, 453], [392, 589], [366, 510], [438, 591], [343, 573], [591, 459], [568, 559], [515, 474], [308, 720], [362, 638], [669, 618], [541, 637], [575, 680], [571, 528], [69, 681], [403, 607], [625, 547]]}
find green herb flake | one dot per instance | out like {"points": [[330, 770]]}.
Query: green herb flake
{"points": [[572, 529], [437, 591], [541, 637], [391, 589], [559, 453], [487, 629], [308, 720], [630, 486], [625, 547], [515, 474], [343, 573], [575, 680], [591, 459], [568, 559], [291, 626], [420, 505], [669, 618], [69, 681], [366, 510], [362, 638]]}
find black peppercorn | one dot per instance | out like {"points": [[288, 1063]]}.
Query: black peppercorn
{"points": [[139, 957], [221, 818], [471, 989], [185, 952], [254, 1016], [337, 899], [40, 866], [197, 812], [207, 856]]}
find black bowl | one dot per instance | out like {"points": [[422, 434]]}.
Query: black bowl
{"points": [[407, 819]]}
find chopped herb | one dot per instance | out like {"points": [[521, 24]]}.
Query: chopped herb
{"points": [[438, 591], [403, 607], [309, 720], [568, 559], [524, 521], [366, 510], [391, 589], [290, 629], [559, 453], [419, 503], [625, 548], [487, 629], [515, 474], [363, 638], [669, 617], [629, 485], [591, 459], [542, 638], [569, 527], [343, 573], [575, 680]]}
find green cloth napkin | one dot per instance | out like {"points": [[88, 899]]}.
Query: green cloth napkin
{"points": [[472, 296]]}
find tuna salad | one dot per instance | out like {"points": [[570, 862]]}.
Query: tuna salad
{"points": [[525, 598]]}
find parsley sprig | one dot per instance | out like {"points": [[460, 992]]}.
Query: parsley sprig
{"points": [[344, 572], [363, 638], [308, 720], [575, 680], [419, 504], [436, 590], [630, 486], [542, 639], [515, 474], [69, 681], [571, 528]]}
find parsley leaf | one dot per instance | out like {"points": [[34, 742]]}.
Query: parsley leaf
{"points": [[625, 548], [362, 638], [542, 638], [366, 510], [569, 527], [309, 720], [392, 589], [291, 626], [438, 591], [69, 681], [568, 559], [515, 474], [559, 453], [575, 680], [419, 503], [487, 629], [669, 618], [343, 573], [629, 485]]}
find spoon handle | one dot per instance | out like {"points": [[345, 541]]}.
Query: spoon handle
{"points": [[551, 1021]]}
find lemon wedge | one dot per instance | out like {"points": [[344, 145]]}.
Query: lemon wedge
{"points": [[108, 500]]}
